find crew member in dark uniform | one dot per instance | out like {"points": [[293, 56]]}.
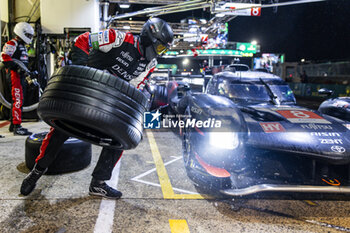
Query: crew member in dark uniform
{"points": [[15, 48], [127, 57]]}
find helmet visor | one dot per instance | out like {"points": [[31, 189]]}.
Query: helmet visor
{"points": [[30, 36], [161, 48]]}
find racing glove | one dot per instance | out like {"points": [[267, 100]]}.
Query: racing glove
{"points": [[10, 65]]}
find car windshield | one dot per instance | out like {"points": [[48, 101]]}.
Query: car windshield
{"points": [[255, 91], [237, 68], [246, 91], [283, 92]]}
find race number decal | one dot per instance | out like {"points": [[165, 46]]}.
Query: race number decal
{"points": [[302, 116]]}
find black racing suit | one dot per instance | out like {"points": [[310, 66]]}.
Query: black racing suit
{"points": [[121, 55]]}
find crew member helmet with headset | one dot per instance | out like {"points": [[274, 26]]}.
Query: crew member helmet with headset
{"points": [[24, 31], [156, 38]]}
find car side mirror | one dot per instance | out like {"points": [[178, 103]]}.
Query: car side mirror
{"points": [[325, 92]]}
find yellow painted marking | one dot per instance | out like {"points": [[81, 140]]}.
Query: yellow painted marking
{"points": [[310, 202], [178, 226], [164, 181]]}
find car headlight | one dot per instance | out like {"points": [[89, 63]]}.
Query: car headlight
{"points": [[224, 140], [152, 88]]}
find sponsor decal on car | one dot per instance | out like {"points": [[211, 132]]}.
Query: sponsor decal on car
{"points": [[302, 116], [338, 149], [316, 126], [325, 134], [331, 141], [272, 127]]}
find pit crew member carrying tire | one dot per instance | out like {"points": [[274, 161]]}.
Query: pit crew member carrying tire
{"points": [[124, 55]]}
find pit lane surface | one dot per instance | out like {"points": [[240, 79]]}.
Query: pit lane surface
{"points": [[157, 197]]}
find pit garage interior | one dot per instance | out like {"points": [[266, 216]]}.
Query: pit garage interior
{"points": [[158, 195]]}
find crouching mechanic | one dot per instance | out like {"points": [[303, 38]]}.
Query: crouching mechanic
{"points": [[127, 57], [15, 48]]}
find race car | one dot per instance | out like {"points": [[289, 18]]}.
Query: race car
{"points": [[246, 135], [337, 107]]}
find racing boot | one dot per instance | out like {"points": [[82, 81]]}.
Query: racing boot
{"points": [[11, 127], [29, 182], [100, 188], [19, 130]]}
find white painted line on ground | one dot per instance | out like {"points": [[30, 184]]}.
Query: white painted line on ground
{"points": [[340, 228], [104, 222], [138, 178], [158, 185], [154, 169]]}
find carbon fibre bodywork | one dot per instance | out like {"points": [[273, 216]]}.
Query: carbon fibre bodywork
{"points": [[276, 142], [337, 107]]}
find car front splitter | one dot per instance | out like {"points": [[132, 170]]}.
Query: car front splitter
{"points": [[285, 188]]}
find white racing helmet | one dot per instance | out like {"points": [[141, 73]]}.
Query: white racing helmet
{"points": [[24, 31]]}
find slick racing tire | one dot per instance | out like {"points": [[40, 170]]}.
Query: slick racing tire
{"points": [[74, 155], [160, 97], [94, 106]]}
